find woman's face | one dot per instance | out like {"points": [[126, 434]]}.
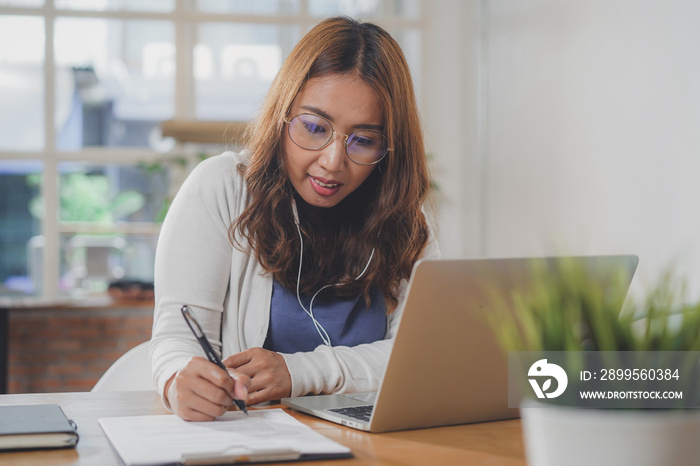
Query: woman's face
{"points": [[324, 177]]}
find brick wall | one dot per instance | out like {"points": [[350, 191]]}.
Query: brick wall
{"points": [[67, 350]]}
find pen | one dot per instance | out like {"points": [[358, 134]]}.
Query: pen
{"points": [[202, 339]]}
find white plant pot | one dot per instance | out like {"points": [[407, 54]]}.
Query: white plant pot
{"points": [[556, 436]]}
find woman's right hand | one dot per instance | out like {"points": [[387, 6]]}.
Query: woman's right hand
{"points": [[202, 391]]}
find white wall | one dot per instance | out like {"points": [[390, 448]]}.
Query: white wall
{"points": [[589, 112], [451, 111]]}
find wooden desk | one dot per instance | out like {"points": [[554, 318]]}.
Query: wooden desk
{"points": [[491, 443]]}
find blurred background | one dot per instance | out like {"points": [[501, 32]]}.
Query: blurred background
{"points": [[553, 126]]}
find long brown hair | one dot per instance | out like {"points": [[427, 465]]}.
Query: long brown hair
{"points": [[384, 213]]}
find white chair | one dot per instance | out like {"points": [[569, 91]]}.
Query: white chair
{"points": [[131, 372]]}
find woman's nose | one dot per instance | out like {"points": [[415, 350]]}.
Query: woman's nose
{"points": [[332, 157]]}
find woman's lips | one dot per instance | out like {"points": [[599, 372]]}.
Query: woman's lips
{"points": [[324, 187]]}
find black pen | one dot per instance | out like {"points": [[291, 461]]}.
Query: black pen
{"points": [[202, 339]]}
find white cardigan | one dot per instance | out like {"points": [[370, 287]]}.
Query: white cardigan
{"points": [[230, 293]]}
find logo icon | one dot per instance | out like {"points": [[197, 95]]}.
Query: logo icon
{"points": [[542, 369]]}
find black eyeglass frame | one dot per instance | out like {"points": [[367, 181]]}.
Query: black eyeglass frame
{"points": [[330, 138]]}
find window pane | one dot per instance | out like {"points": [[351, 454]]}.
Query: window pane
{"points": [[98, 201], [234, 65], [115, 88], [259, 7], [406, 9], [21, 83], [112, 5], [108, 194], [24, 3], [21, 242], [91, 262]]}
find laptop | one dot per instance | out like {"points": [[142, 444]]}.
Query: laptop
{"points": [[444, 343]]}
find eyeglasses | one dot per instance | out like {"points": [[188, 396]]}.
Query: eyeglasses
{"points": [[313, 132]]}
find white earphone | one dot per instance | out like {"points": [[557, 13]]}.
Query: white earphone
{"points": [[319, 328]]}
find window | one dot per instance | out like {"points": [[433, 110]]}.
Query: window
{"points": [[85, 175]]}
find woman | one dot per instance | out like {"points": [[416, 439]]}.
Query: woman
{"points": [[295, 254]]}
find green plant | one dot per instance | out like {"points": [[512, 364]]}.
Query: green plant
{"points": [[568, 307], [571, 308], [86, 198]]}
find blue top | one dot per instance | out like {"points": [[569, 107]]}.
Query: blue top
{"points": [[347, 320]]}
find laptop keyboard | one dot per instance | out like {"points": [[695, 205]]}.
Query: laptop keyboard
{"points": [[362, 413]]}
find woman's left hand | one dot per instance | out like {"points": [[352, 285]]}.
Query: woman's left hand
{"points": [[270, 379]]}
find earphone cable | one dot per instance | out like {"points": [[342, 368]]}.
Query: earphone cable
{"points": [[310, 312], [319, 328]]}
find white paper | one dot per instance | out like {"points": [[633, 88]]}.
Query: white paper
{"points": [[159, 439]]}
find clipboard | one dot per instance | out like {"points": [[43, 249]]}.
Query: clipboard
{"points": [[265, 435]]}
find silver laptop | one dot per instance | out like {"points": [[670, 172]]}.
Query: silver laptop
{"points": [[445, 366]]}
